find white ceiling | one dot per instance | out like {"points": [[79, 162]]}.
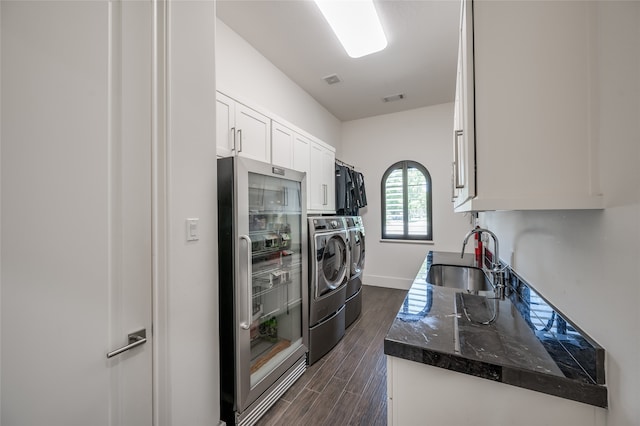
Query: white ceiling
{"points": [[419, 61]]}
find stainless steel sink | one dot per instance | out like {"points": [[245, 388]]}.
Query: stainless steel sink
{"points": [[462, 277]]}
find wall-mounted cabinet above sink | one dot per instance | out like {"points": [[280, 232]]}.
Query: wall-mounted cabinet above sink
{"points": [[526, 119]]}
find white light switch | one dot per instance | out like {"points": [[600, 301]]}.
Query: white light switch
{"points": [[192, 229]]}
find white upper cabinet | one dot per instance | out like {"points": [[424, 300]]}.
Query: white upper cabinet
{"points": [[463, 180], [245, 132], [225, 125], [525, 135], [242, 131], [301, 153], [282, 146], [329, 178], [253, 132], [321, 179]]}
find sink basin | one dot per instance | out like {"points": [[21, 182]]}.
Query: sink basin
{"points": [[462, 277]]}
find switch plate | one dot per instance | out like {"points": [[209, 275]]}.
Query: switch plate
{"points": [[192, 229]]}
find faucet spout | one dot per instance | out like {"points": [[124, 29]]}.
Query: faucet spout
{"points": [[466, 239], [495, 261]]}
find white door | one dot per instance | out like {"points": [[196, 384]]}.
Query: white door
{"points": [[76, 212]]}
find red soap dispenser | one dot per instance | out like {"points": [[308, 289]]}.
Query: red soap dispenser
{"points": [[478, 246]]}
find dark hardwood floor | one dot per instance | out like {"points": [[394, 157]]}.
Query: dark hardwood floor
{"points": [[348, 385]]}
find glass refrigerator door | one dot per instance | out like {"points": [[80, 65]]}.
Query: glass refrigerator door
{"points": [[275, 230]]}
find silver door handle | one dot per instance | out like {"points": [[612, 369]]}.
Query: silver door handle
{"points": [[246, 325], [240, 140], [136, 338]]}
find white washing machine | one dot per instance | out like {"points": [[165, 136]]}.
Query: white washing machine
{"points": [[329, 273], [356, 245]]}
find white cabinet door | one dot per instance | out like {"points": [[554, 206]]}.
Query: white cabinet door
{"points": [[528, 137], [301, 163], [457, 127], [225, 125], [282, 143], [406, 394], [241, 130], [301, 152], [464, 179], [253, 134], [329, 180], [316, 189], [321, 179], [76, 217]]}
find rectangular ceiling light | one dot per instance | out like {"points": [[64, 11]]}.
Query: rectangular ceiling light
{"points": [[356, 24]]}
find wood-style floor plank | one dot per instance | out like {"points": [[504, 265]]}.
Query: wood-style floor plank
{"points": [[348, 385]]}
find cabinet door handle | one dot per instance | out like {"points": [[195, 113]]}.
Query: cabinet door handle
{"points": [[245, 325], [457, 179], [233, 132], [240, 139], [453, 187], [324, 194]]}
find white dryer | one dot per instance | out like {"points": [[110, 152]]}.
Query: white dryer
{"points": [[329, 272], [356, 245]]}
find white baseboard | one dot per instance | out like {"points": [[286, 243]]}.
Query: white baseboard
{"points": [[389, 282]]}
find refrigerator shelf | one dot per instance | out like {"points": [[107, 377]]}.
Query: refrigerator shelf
{"points": [[262, 290], [275, 274], [279, 311], [266, 350]]}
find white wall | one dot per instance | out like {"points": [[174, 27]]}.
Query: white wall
{"points": [[64, 147], [243, 73], [188, 303], [587, 262], [372, 145]]}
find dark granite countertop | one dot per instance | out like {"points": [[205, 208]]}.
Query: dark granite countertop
{"points": [[432, 328]]}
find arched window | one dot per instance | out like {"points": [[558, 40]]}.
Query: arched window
{"points": [[406, 202]]}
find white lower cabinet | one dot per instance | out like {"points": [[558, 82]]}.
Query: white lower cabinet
{"points": [[420, 394], [241, 130]]}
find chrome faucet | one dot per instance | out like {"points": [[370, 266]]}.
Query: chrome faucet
{"points": [[495, 269]]}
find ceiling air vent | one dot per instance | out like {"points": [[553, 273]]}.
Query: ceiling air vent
{"points": [[392, 98], [332, 79]]}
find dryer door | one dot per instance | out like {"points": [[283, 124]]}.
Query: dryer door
{"points": [[332, 268], [357, 252]]}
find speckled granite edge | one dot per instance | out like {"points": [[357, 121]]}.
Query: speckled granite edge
{"points": [[435, 354], [551, 385]]}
